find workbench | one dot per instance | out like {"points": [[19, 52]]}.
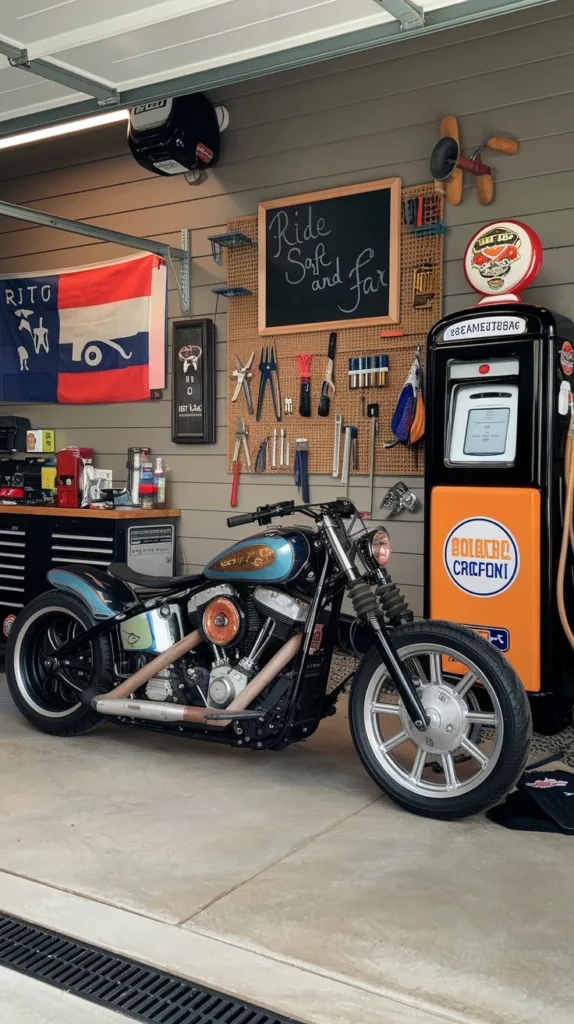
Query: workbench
{"points": [[34, 539]]}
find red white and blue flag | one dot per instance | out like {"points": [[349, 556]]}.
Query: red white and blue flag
{"points": [[97, 334]]}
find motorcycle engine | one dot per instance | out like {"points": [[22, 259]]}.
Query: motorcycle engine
{"points": [[243, 633]]}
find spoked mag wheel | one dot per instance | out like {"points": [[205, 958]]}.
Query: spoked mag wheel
{"points": [[477, 742], [44, 687]]}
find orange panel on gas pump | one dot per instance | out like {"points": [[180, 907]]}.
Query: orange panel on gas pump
{"points": [[498, 402]]}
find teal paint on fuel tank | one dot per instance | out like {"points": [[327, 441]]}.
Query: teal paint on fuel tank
{"points": [[264, 558]]}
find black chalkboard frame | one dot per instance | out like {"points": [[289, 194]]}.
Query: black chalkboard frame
{"points": [[394, 186], [193, 381]]}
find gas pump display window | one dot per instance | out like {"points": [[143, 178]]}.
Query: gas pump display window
{"points": [[482, 424], [486, 431]]}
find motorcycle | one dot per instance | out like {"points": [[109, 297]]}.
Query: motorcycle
{"points": [[241, 654]]}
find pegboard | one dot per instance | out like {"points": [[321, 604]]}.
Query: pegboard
{"points": [[243, 338]]}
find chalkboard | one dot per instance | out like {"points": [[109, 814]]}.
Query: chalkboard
{"points": [[193, 392], [330, 259]]}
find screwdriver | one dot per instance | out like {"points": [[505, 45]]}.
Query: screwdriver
{"points": [[373, 415]]}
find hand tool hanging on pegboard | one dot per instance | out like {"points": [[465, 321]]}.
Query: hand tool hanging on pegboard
{"points": [[328, 387], [274, 450], [240, 442], [350, 455], [373, 415], [337, 443], [368, 371], [242, 375], [269, 374], [302, 467], [304, 363], [261, 458]]}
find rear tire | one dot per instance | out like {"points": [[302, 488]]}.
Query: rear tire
{"points": [[461, 779], [48, 698]]}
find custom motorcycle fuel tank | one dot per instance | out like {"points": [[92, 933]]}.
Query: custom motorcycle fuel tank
{"points": [[278, 555]]}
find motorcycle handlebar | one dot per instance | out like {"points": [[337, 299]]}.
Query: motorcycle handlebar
{"points": [[265, 513], [241, 520]]}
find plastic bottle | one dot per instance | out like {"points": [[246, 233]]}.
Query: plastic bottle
{"points": [[159, 481], [146, 485]]}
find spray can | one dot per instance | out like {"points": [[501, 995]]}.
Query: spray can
{"points": [[146, 488]]}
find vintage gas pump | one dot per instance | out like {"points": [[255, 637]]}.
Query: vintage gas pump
{"points": [[498, 410]]}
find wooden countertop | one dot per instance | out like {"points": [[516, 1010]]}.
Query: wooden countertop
{"points": [[92, 513]]}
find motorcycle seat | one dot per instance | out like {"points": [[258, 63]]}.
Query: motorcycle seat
{"points": [[121, 571]]}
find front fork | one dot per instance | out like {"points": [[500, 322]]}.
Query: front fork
{"points": [[367, 609]]}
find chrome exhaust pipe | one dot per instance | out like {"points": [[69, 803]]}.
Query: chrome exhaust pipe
{"points": [[153, 711], [160, 711]]}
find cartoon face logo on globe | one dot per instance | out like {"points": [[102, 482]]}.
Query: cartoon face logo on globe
{"points": [[493, 255]]}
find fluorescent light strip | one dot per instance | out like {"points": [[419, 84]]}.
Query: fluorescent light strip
{"points": [[69, 128]]}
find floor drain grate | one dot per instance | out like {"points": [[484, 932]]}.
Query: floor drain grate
{"points": [[120, 984]]}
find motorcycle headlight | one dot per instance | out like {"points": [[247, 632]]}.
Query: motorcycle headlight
{"points": [[378, 547]]}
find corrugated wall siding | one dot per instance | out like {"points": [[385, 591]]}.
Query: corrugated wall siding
{"points": [[348, 120]]}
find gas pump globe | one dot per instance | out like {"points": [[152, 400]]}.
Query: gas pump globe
{"points": [[496, 481]]}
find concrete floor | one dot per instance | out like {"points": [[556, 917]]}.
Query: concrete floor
{"points": [[284, 878], [25, 1001]]}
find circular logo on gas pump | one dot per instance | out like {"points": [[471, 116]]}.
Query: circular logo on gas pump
{"points": [[567, 359], [481, 557]]}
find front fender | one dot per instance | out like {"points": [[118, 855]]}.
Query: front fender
{"points": [[104, 595]]}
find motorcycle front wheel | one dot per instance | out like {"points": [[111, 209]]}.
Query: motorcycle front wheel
{"points": [[476, 744]]}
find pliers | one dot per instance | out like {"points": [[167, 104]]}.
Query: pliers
{"points": [[269, 372], [242, 375], [240, 442]]}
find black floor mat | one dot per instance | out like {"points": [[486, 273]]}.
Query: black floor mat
{"points": [[543, 801]]}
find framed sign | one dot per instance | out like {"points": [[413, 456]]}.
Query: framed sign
{"points": [[330, 259], [193, 390]]}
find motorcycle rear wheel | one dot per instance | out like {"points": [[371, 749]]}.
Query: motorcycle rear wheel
{"points": [[477, 743], [45, 691]]}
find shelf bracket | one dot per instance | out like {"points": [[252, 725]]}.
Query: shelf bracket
{"points": [[228, 240]]}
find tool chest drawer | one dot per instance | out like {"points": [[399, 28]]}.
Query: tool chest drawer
{"points": [[34, 540]]}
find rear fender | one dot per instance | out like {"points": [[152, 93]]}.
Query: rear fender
{"points": [[104, 595]]}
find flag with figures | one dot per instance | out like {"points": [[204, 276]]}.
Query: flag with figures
{"points": [[95, 334]]}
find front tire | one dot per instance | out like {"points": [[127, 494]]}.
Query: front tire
{"points": [[44, 691], [477, 743]]}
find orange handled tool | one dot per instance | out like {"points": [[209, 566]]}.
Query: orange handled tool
{"points": [[240, 442], [503, 145], [304, 363]]}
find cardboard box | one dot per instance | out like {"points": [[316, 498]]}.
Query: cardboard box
{"points": [[40, 441], [48, 478]]}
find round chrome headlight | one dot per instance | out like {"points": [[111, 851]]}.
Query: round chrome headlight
{"points": [[380, 547]]}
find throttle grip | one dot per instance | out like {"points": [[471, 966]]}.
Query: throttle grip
{"points": [[241, 520]]}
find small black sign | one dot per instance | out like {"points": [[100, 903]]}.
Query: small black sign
{"points": [[330, 259], [193, 395]]}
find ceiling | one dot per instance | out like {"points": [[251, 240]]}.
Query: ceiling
{"points": [[61, 59]]}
